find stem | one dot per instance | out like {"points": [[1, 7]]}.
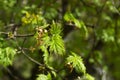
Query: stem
{"points": [[31, 59]]}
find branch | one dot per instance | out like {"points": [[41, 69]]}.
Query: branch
{"points": [[31, 59], [19, 35], [24, 35], [73, 25]]}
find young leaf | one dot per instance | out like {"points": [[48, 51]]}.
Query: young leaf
{"points": [[77, 63], [69, 16], [46, 54], [34, 19], [7, 56], [77, 23], [84, 27], [55, 28], [56, 44], [44, 77], [44, 46], [49, 76]]}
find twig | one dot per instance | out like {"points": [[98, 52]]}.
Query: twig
{"points": [[31, 59], [19, 35], [24, 35], [87, 25]]}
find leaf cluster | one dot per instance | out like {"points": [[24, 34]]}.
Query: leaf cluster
{"points": [[7, 55]]}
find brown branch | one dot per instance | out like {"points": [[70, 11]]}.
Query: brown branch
{"points": [[19, 35], [73, 25], [24, 35], [31, 59]]}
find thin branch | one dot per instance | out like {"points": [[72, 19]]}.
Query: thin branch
{"points": [[31, 59], [73, 25], [19, 35], [24, 35]]}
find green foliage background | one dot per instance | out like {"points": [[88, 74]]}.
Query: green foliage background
{"points": [[59, 39]]}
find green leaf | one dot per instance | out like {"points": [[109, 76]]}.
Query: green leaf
{"points": [[54, 73], [56, 42], [76, 62], [7, 55], [57, 45], [84, 27], [46, 54], [79, 24], [69, 16], [34, 19], [44, 77], [55, 28], [46, 40], [44, 46], [49, 76]]}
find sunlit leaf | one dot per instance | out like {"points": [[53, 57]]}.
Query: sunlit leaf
{"points": [[78, 23], [46, 54], [7, 55], [76, 62], [69, 17], [56, 44], [42, 77], [55, 28]]}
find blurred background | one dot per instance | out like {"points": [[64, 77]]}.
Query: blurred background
{"points": [[100, 49]]}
